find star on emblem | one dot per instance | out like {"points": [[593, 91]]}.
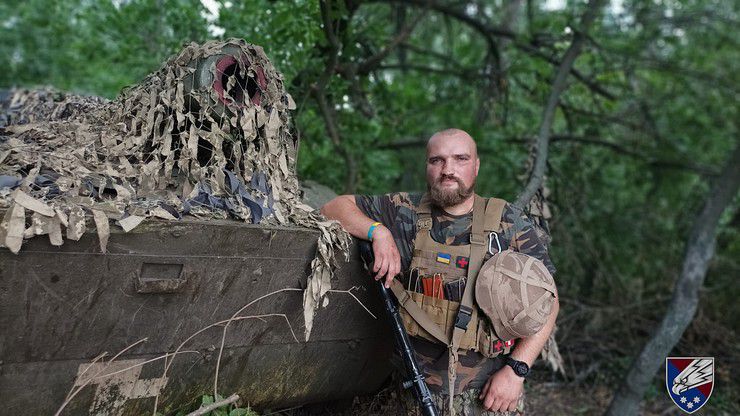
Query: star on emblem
{"points": [[697, 399], [690, 405], [683, 400]]}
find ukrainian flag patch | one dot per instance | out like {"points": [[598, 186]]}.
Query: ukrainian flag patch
{"points": [[444, 258]]}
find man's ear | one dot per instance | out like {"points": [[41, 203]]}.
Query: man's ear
{"points": [[477, 165]]}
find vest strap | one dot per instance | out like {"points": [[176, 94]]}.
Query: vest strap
{"points": [[424, 214], [494, 212]]}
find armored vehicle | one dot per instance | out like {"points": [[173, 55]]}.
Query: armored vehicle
{"points": [[190, 264]]}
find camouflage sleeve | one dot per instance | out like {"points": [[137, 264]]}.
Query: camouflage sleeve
{"points": [[397, 212], [520, 230], [378, 207]]}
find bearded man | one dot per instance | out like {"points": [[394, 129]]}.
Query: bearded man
{"points": [[395, 223]]}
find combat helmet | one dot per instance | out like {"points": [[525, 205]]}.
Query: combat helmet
{"points": [[516, 292]]}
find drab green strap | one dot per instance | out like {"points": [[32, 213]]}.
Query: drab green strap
{"points": [[424, 214]]}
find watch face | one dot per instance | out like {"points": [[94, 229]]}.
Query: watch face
{"points": [[521, 369]]}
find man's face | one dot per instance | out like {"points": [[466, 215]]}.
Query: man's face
{"points": [[452, 166]]}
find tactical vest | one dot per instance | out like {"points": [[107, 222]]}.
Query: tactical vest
{"points": [[451, 264], [458, 325]]}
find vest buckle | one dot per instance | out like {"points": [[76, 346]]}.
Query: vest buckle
{"points": [[463, 317], [423, 224]]}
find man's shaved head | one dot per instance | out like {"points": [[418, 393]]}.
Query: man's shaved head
{"points": [[460, 137], [452, 166]]}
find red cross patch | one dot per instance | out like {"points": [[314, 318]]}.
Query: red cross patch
{"points": [[462, 262]]}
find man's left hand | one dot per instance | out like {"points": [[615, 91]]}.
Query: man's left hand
{"points": [[502, 390]]}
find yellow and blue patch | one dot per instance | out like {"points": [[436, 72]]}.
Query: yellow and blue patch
{"points": [[444, 258]]}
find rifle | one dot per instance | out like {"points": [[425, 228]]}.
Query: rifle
{"points": [[415, 378]]}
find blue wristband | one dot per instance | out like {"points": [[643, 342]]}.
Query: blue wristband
{"points": [[370, 231]]}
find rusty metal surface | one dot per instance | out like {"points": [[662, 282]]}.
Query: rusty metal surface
{"points": [[62, 306]]}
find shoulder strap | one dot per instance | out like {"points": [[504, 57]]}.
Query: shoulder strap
{"points": [[424, 214], [494, 212], [477, 253], [486, 218]]}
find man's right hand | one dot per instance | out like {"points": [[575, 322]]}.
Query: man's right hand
{"points": [[387, 259]]}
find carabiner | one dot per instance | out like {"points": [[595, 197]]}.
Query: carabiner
{"points": [[490, 243]]}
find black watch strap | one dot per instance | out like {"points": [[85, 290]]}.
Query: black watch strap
{"points": [[520, 367]]}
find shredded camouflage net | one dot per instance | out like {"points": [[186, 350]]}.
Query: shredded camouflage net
{"points": [[206, 135], [46, 104], [539, 211]]}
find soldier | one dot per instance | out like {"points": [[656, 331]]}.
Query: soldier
{"points": [[395, 223]]}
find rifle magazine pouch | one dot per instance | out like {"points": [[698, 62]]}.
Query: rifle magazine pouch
{"points": [[412, 328], [435, 309], [442, 313]]}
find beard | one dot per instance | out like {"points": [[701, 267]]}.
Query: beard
{"points": [[449, 197]]}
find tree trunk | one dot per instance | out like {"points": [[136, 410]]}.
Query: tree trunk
{"points": [[699, 251]]}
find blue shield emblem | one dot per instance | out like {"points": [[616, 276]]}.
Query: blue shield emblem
{"points": [[690, 381]]}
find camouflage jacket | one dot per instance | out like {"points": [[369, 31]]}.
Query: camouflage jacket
{"points": [[397, 211]]}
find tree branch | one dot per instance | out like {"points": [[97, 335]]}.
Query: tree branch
{"points": [[441, 56], [590, 84], [686, 166], [548, 115], [328, 25], [319, 92], [465, 73], [615, 119], [457, 14], [350, 71], [213, 406], [372, 62], [669, 164], [330, 122], [490, 32]]}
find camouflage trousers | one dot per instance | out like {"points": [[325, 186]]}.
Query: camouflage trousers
{"points": [[466, 403]]}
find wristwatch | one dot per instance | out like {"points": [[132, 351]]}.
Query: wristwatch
{"points": [[520, 367]]}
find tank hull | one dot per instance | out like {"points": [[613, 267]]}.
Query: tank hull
{"points": [[163, 282]]}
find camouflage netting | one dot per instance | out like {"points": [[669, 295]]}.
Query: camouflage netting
{"points": [[206, 135]]}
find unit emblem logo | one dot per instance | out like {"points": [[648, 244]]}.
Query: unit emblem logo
{"points": [[690, 381]]}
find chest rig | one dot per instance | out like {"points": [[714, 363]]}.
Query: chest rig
{"points": [[457, 324]]}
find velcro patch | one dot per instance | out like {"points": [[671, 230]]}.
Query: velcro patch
{"points": [[444, 258], [462, 262]]}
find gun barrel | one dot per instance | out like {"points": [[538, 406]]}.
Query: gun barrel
{"points": [[416, 377], [420, 388]]}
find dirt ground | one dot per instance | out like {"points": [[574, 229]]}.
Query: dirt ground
{"points": [[543, 399]]}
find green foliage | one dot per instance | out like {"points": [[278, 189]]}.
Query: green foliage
{"points": [[228, 410], [94, 47]]}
